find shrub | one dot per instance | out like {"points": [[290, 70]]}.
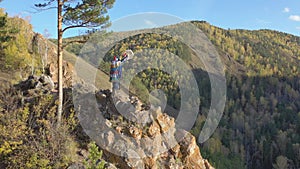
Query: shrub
{"points": [[94, 160]]}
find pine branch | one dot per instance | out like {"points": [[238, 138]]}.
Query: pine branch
{"points": [[82, 25], [84, 40], [37, 9], [43, 5]]}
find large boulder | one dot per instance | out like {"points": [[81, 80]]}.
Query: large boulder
{"points": [[35, 85], [153, 143]]}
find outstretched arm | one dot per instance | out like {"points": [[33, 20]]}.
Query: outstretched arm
{"points": [[128, 54], [124, 58]]}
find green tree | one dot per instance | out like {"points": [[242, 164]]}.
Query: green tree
{"points": [[94, 160], [3, 21], [15, 39], [75, 14]]}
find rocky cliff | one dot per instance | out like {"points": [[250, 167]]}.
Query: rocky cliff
{"points": [[49, 56], [131, 135], [135, 136]]}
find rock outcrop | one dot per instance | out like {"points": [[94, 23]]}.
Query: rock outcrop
{"points": [[68, 73], [34, 85], [137, 137], [51, 64]]}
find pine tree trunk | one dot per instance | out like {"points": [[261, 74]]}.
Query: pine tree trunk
{"points": [[60, 61]]}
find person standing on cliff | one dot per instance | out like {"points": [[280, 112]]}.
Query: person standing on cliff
{"points": [[116, 69]]}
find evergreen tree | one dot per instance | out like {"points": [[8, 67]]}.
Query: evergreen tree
{"points": [[75, 14]]}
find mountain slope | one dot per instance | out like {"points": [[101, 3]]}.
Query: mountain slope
{"points": [[259, 52], [262, 112], [261, 120], [29, 137]]}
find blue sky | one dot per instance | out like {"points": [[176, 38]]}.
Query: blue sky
{"points": [[281, 15]]}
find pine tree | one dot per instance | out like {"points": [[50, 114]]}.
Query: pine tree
{"points": [[75, 14]]}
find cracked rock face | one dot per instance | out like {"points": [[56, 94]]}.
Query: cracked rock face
{"points": [[142, 138]]}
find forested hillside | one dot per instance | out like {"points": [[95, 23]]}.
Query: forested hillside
{"points": [[19, 53], [260, 52], [261, 122]]}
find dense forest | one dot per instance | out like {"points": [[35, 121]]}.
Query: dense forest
{"points": [[261, 122]]}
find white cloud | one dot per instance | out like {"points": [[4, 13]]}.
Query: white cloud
{"points": [[286, 10], [295, 18]]}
